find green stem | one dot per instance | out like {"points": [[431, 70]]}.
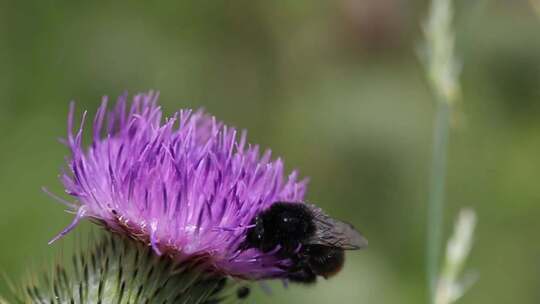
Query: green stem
{"points": [[436, 194]]}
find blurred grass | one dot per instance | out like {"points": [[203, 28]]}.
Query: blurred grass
{"points": [[442, 71], [333, 87]]}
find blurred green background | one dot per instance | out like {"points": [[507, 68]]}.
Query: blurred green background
{"points": [[334, 87]]}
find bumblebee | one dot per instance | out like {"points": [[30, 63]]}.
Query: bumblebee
{"points": [[303, 233]]}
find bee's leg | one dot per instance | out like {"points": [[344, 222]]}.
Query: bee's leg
{"points": [[305, 276]]}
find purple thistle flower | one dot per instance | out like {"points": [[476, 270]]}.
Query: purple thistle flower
{"points": [[188, 185]]}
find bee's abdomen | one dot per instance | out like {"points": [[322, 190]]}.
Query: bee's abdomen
{"points": [[325, 261]]}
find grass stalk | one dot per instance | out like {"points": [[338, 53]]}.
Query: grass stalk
{"points": [[437, 193], [441, 69]]}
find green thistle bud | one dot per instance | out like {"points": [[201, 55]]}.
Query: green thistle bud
{"points": [[120, 270]]}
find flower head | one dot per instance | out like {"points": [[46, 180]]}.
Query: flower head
{"points": [[187, 185]]}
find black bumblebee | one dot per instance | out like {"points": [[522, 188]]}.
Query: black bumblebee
{"points": [[314, 241]]}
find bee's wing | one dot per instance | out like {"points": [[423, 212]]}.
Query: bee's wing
{"points": [[335, 233]]}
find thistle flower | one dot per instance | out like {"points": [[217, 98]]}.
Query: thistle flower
{"points": [[187, 185]]}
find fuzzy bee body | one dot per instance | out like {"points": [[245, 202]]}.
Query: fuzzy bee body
{"points": [[314, 241]]}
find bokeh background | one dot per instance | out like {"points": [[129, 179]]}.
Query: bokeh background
{"points": [[334, 87]]}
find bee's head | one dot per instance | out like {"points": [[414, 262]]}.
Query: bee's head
{"points": [[283, 224]]}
